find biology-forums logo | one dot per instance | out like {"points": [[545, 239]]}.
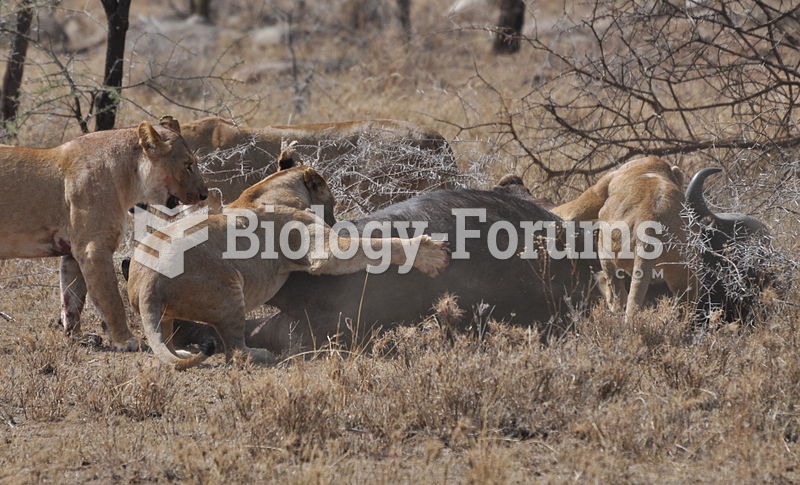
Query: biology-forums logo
{"points": [[163, 235]]}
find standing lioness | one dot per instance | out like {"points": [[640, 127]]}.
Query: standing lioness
{"points": [[642, 191], [72, 200]]}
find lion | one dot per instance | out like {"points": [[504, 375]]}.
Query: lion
{"points": [[219, 292], [640, 191], [373, 161], [514, 185], [71, 201]]}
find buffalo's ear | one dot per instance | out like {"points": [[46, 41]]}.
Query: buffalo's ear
{"points": [[151, 141], [288, 157], [512, 184], [170, 123], [285, 163]]}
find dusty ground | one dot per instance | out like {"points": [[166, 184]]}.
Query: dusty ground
{"points": [[613, 402]]}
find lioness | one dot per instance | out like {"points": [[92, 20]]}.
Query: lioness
{"points": [[642, 190], [370, 162], [219, 292], [72, 200]]}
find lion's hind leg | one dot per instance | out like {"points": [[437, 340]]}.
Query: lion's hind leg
{"points": [[227, 317], [232, 333], [641, 276], [612, 286], [158, 325]]}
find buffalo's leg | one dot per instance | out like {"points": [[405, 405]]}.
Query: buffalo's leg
{"points": [[73, 295]]}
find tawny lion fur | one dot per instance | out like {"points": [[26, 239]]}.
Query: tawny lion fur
{"points": [[219, 292], [645, 189], [72, 201]]}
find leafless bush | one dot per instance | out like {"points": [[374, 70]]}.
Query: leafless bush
{"points": [[392, 172], [658, 78], [369, 174]]}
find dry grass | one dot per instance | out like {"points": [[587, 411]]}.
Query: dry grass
{"points": [[611, 402]]}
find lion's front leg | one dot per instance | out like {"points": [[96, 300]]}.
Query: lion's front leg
{"points": [[431, 258], [613, 288], [423, 253], [97, 267], [73, 295]]}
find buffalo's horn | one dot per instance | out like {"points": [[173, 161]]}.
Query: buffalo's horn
{"points": [[733, 224], [694, 193]]}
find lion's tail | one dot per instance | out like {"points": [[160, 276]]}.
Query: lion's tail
{"points": [[152, 320]]}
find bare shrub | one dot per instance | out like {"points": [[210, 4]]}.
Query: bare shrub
{"points": [[369, 174], [655, 78]]}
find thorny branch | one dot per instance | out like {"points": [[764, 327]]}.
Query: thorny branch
{"points": [[656, 78]]}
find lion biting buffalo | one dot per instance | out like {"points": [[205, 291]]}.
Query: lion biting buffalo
{"points": [[219, 283], [71, 201], [542, 290], [642, 192], [648, 189]]}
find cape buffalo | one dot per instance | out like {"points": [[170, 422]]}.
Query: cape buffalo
{"points": [[733, 249], [524, 291]]}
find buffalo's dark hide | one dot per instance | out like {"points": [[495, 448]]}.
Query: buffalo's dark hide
{"points": [[542, 290]]}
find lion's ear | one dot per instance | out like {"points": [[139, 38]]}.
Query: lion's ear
{"points": [[150, 140], [214, 202], [170, 123], [314, 181], [678, 174], [288, 157]]}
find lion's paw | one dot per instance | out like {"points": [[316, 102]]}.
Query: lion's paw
{"points": [[433, 256]]}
